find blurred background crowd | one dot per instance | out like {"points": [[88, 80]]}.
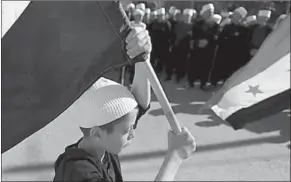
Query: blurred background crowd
{"points": [[204, 42]]}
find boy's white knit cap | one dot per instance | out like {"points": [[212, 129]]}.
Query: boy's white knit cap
{"points": [[104, 102]]}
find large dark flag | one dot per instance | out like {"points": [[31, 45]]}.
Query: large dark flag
{"points": [[262, 87], [50, 55]]}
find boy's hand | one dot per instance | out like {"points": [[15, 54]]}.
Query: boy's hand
{"points": [[182, 144], [138, 41]]}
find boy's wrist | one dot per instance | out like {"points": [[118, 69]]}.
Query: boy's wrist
{"points": [[174, 156]]}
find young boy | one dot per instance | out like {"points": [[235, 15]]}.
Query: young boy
{"points": [[107, 114]]}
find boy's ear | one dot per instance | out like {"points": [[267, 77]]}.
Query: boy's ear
{"points": [[96, 131]]}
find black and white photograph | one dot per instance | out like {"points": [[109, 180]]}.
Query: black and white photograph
{"points": [[151, 90]]}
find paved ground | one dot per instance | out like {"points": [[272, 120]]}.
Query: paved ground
{"points": [[261, 151]]}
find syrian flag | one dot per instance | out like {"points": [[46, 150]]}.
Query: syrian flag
{"points": [[262, 87], [51, 53]]}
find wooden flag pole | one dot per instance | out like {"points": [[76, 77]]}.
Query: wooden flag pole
{"points": [[123, 75], [157, 88], [162, 98]]}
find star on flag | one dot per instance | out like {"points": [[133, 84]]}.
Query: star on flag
{"points": [[254, 90], [266, 77]]}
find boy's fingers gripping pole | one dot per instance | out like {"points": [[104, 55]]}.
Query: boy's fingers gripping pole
{"points": [[156, 86]]}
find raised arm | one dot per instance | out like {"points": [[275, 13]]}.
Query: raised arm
{"points": [[138, 41], [180, 147], [169, 168], [141, 86]]}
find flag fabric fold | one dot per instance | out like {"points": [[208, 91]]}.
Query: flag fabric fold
{"points": [[262, 87], [51, 54]]}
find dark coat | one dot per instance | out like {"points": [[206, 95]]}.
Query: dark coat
{"points": [[232, 48], [201, 60]]}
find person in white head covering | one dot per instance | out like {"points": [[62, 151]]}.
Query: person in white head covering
{"points": [[138, 18], [194, 15], [147, 16], [154, 15], [207, 11], [216, 19], [174, 21], [261, 31], [107, 114], [224, 22], [130, 8], [172, 9], [176, 15], [181, 44], [140, 6], [187, 15], [232, 46], [251, 20], [225, 14], [230, 14], [251, 25], [214, 22], [263, 17], [204, 32], [238, 15], [161, 14], [161, 38]]}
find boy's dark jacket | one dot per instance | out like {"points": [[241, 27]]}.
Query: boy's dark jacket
{"points": [[75, 164]]}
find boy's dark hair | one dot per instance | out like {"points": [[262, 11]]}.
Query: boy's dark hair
{"points": [[106, 127], [110, 126]]}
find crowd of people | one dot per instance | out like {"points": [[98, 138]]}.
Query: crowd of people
{"points": [[201, 45]]}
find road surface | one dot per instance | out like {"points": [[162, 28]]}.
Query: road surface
{"points": [[261, 151]]}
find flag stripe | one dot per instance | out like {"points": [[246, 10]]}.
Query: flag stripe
{"points": [[267, 82], [275, 46], [262, 87], [11, 11], [50, 56], [265, 108]]}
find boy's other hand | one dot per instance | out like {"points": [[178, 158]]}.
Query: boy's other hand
{"points": [[182, 144]]}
